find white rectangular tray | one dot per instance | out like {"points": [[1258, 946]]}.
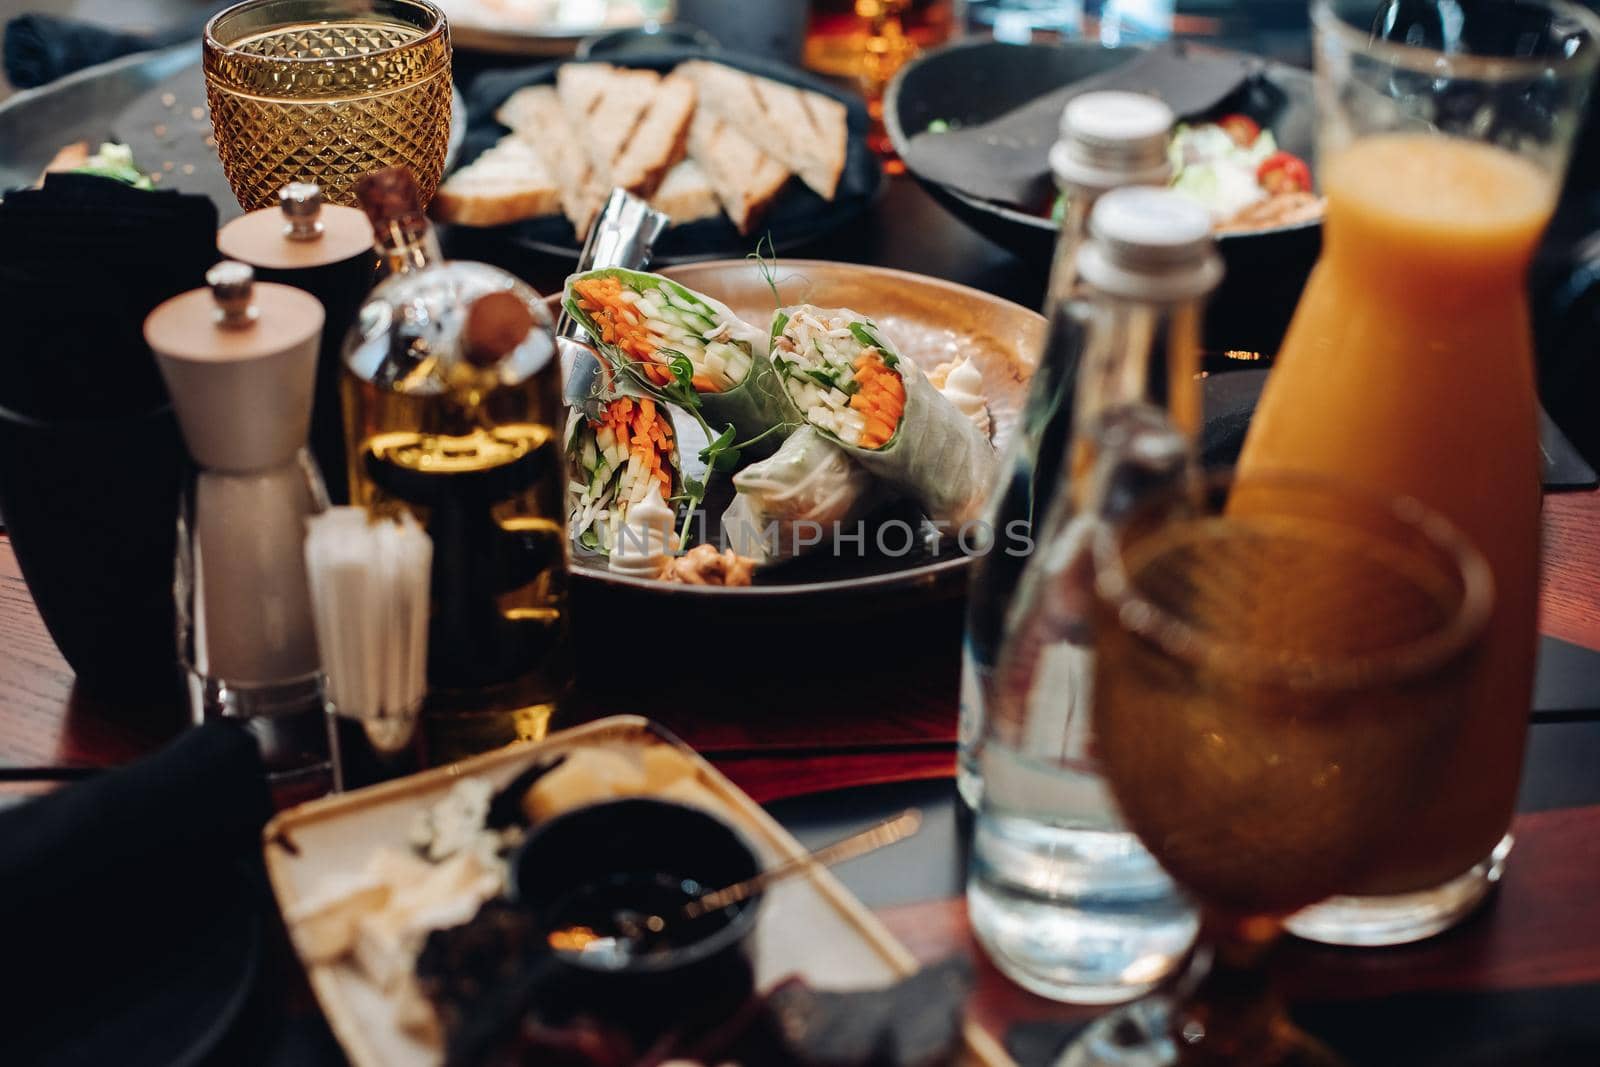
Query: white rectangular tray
{"points": [[810, 924]]}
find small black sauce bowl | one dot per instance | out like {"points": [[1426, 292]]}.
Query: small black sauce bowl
{"points": [[678, 988]]}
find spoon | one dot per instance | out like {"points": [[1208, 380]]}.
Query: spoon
{"points": [[874, 837], [635, 926]]}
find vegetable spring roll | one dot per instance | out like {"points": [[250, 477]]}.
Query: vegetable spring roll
{"points": [[851, 384], [788, 502], [684, 348], [617, 451]]}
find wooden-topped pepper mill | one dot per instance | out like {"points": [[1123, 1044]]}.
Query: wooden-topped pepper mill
{"points": [[326, 250], [239, 359]]}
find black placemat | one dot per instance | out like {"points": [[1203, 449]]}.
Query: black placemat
{"points": [[1231, 398]]}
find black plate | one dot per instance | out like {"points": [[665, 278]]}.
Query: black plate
{"points": [[972, 83], [797, 217]]}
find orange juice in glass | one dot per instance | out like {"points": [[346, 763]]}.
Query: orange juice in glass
{"points": [[1408, 367]]}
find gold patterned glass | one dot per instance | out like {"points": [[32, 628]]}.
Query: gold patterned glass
{"points": [[325, 91]]}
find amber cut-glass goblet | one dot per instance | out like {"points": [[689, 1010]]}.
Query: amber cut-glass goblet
{"points": [[1278, 682], [325, 91]]}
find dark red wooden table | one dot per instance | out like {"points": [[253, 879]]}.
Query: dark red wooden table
{"points": [[897, 722]]}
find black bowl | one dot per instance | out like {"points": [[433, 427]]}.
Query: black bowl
{"points": [[973, 82], [681, 987]]}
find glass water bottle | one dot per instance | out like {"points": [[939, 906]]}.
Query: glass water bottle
{"points": [[1065, 900], [1108, 140]]}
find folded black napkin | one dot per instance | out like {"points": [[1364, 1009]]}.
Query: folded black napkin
{"points": [[41, 48], [83, 260], [1007, 159], [195, 805], [126, 899]]}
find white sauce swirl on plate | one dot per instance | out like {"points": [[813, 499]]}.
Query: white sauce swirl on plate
{"points": [[644, 543]]}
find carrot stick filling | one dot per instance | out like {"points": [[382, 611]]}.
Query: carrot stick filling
{"points": [[881, 399], [624, 328], [649, 437]]}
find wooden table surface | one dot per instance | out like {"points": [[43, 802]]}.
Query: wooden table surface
{"points": [[898, 723]]}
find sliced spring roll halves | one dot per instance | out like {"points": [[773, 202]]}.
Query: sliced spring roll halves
{"points": [[618, 450], [682, 347], [788, 503], [851, 383]]}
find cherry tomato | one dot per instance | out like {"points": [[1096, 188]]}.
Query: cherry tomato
{"points": [[1241, 128], [1284, 172]]}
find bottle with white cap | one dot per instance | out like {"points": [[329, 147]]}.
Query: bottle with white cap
{"points": [[1065, 900], [1108, 140]]}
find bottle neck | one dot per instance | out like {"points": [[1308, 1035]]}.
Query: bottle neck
{"points": [[406, 245], [1064, 264], [1137, 409]]}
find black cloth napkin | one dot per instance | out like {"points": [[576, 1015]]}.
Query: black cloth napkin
{"points": [[40, 48], [1007, 159], [83, 260], [122, 894], [199, 802]]}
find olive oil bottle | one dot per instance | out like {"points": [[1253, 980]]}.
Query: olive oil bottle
{"points": [[452, 408]]}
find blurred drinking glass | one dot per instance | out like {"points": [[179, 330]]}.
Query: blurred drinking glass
{"points": [[868, 41], [1279, 674], [1111, 22], [1018, 21], [325, 91]]}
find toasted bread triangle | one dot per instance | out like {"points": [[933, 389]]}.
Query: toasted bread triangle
{"points": [[536, 115], [508, 182], [660, 138], [805, 131], [746, 179]]}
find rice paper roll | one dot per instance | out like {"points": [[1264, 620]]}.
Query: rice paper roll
{"points": [[683, 347], [619, 448], [852, 385], [788, 503]]}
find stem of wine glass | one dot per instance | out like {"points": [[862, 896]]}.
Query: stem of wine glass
{"points": [[1230, 1013]]}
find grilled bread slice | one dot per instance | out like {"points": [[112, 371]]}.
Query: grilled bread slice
{"points": [[509, 182], [814, 130], [686, 195], [805, 131], [605, 104], [535, 114], [746, 180], [660, 138]]}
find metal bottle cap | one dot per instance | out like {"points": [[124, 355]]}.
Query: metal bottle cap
{"points": [[1150, 244], [1110, 139], [232, 285], [302, 208]]}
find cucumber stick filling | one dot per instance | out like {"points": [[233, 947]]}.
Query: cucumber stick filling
{"points": [[840, 375], [613, 463], [654, 326]]}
